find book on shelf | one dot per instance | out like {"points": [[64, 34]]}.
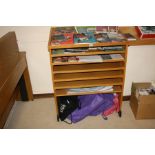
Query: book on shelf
{"points": [[64, 29], [85, 29], [129, 36], [90, 58], [92, 48], [145, 31], [116, 56], [101, 29], [102, 37], [113, 29], [111, 56], [75, 50], [116, 37], [111, 48], [91, 89], [84, 38], [106, 29], [65, 59], [58, 51], [106, 56], [66, 38]]}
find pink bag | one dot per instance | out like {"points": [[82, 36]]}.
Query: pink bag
{"points": [[114, 107]]}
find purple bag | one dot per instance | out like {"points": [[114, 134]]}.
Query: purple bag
{"points": [[91, 105], [106, 104]]}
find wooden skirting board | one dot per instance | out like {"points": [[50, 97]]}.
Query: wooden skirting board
{"points": [[37, 96]]}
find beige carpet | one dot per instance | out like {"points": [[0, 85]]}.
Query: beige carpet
{"points": [[41, 114]]}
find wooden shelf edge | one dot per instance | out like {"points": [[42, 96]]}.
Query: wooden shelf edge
{"points": [[90, 78], [86, 45], [93, 70], [88, 85], [117, 89], [76, 63], [86, 53]]}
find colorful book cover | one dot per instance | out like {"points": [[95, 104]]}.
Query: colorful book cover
{"points": [[66, 38], [113, 29], [145, 31], [116, 37], [102, 37], [129, 36], [64, 29], [84, 38], [86, 29], [102, 29], [106, 29], [58, 51]]}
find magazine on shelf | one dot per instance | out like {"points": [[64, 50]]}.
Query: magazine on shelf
{"points": [[116, 37], [111, 48], [58, 51], [145, 32], [116, 56], [102, 29], [106, 29], [75, 50], [85, 29], [84, 38], [111, 56], [90, 58], [65, 59], [91, 89], [113, 29], [102, 37], [66, 38], [106, 56], [64, 29], [129, 36]]}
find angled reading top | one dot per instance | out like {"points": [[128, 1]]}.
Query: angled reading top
{"points": [[122, 30]]}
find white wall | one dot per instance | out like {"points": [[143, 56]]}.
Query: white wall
{"points": [[34, 40], [140, 66]]}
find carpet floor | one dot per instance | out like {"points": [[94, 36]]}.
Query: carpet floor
{"points": [[41, 114]]}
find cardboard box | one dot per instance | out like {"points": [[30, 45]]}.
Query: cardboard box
{"points": [[143, 107], [144, 34]]}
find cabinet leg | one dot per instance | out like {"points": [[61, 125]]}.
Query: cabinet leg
{"points": [[120, 113]]}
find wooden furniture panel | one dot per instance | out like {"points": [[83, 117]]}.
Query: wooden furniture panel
{"points": [[87, 75], [13, 75], [64, 92], [87, 53], [88, 83], [88, 67]]}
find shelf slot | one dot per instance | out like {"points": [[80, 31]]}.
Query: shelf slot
{"points": [[87, 53], [88, 67], [63, 92], [88, 83], [87, 75]]}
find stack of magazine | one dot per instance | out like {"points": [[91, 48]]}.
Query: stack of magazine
{"points": [[87, 34]]}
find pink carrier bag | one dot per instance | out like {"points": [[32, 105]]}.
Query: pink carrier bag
{"points": [[114, 107]]}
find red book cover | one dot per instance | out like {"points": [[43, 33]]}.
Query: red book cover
{"points": [[143, 33], [58, 39], [64, 29]]}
